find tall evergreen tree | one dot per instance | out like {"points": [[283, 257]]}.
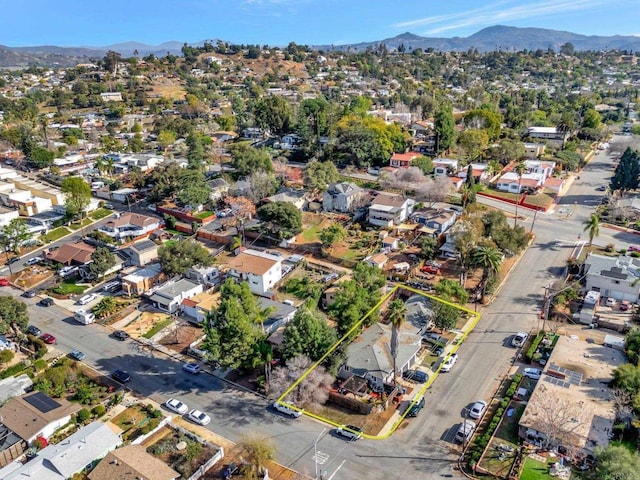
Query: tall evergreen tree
{"points": [[627, 172]]}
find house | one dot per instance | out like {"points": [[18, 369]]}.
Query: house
{"points": [[132, 462], [378, 260], [169, 297], [388, 209], [514, 183], [480, 172], [369, 356], [141, 253], [207, 276], [342, 197], [534, 150], [219, 188], [199, 306], [7, 214], [438, 220], [443, 167], [78, 253], [260, 269], [45, 415], [615, 277], [403, 160], [142, 279], [539, 167], [14, 387], [129, 225], [280, 314], [75, 454], [390, 243], [550, 135], [571, 387], [6, 344], [421, 127], [111, 97], [297, 197]]}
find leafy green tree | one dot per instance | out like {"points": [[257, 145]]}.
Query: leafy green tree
{"points": [[273, 113], [632, 345], [473, 142], [617, 462], [444, 127], [13, 315], [450, 290], [101, 261], [6, 356], [520, 170], [591, 119], [508, 150], [246, 159], [166, 138], [397, 315], [178, 257], [40, 157], [369, 277], [592, 226], [423, 163], [14, 234], [445, 316], [488, 121], [351, 303], [194, 194], [167, 180], [428, 248], [627, 378], [332, 234], [77, 194], [319, 175], [258, 451], [136, 144], [283, 218], [307, 335], [626, 175], [105, 307]]}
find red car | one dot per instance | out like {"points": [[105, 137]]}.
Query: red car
{"points": [[4, 282], [48, 338], [430, 269]]}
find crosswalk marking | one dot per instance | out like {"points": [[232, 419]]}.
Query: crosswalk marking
{"points": [[320, 457]]}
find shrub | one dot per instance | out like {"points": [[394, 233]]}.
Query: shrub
{"points": [[6, 356], [99, 410], [13, 370], [40, 364], [83, 415], [534, 346]]}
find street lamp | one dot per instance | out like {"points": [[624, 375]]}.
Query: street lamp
{"points": [[315, 451]]}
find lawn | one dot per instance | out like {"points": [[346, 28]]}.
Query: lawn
{"points": [[56, 234], [85, 222], [157, 327], [204, 214], [100, 213], [508, 429], [535, 470], [67, 287], [311, 234]]}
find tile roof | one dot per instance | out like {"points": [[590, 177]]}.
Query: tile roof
{"points": [[131, 219], [78, 252]]}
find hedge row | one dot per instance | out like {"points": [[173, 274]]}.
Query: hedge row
{"points": [[534, 346]]}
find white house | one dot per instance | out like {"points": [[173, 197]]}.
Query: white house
{"points": [[388, 209], [342, 197], [130, 225], [169, 297], [260, 269], [512, 182], [615, 277], [548, 134], [442, 167]]}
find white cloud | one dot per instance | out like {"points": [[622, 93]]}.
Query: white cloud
{"points": [[446, 17]]}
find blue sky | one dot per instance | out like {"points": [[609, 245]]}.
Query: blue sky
{"points": [[313, 22]]}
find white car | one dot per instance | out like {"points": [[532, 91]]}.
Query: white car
{"points": [[477, 409], [449, 363], [33, 261], [176, 406], [519, 339], [465, 432], [350, 432], [611, 302], [87, 299], [286, 409], [532, 373], [201, 418]]}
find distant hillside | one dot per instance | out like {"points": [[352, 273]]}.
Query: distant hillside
{"points": [[501, 38]]}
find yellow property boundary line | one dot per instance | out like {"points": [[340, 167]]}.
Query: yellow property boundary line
{"points": [[469, 326]]}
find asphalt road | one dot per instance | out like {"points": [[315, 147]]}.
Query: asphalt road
{"points": [[422, 447]]}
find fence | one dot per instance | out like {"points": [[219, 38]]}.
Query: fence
{"points": [[142, 438], [209, 463]]}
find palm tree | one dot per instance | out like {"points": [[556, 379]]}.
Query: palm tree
{"points": [[592, 225], [520, 169], [397, 314], [99, 165], [489, 258], [258, 451], [108, 166]]}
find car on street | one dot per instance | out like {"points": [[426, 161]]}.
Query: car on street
{"points": [[532, 373], [601, 188], [201, 418], [109, 206], [477, 409], [33, 261], [449, 363], [191, 367], [176, 406], [121, 376], [77, 355], [465, 432], [415, 409], [4, 282], [350, 432], [46, 302], [519, 339], [634, 248], [87, 299], [67, 271], [112, 286], [416, 376], [33, 330], [120, 335], [48, 339], [30, 293], [286, 409], [12, 261]]}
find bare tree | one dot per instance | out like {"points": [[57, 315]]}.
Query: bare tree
{"points": [[436, 190], [622, 401], [262, 184], [311, 392], [404, 179]]}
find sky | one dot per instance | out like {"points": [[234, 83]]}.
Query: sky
{"points": [[312, 22]]}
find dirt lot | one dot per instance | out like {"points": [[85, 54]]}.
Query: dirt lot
{"points": [[29, 277], [187, 334], [144, 323]]}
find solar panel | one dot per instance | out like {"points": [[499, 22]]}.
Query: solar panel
{"points": [[556, 381], [43, 403], [574, 378]]}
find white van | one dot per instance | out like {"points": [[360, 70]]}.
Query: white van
{"points": [[87, 299], [84, 317], [96, 185]]}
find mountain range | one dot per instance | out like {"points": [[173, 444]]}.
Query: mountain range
{"points": [[488, 39]]}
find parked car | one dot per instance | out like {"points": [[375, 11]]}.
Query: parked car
{"points": [[46, 302], [176, 406], [48, 339], [191, 367], [532, 373], [286, 409], [30, 293], [12, 261], [33, 261], [33, 330], [430, 269], [633, 248], [199, 417], [415, 409], [330, 277], [120, 335], [230, 470], [601, 188], [77, 355], [625, 305], [87, 299], [477, 409], [4, 282], [112, 286], [350, 432], [67, 271], [416, 376], [109, 206], [449, 363], [519, 339], [465, 432], [610, 302], [121, 376]]}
